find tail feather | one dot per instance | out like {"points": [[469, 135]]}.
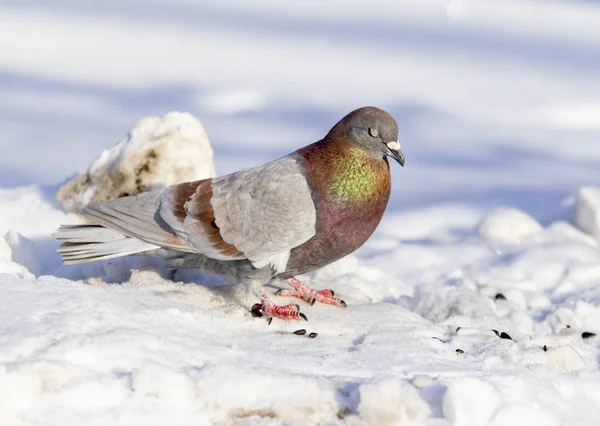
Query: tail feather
{"points": [[86, 243], [136, 217]]}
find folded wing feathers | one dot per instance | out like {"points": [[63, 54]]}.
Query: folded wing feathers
{"points": [[136, 217], [265, 211], [188, 210]]}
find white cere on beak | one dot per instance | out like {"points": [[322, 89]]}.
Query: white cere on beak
{"points": [[394, 146]]}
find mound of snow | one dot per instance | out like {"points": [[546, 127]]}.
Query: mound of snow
{"points": [[31, 211], [470, 402], [391, 401], [587, 211], [24, 252], [7, 266], [156, 153], [508, 225]]}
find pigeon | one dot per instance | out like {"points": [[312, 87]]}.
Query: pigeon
{"points": [[263, 224]]}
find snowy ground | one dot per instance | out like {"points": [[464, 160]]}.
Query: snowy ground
{"points": [[498, 104]]}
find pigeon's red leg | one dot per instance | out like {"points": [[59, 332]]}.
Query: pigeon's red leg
{"points": [[304, 292], [270, 310]]}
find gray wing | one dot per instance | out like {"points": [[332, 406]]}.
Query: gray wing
{"points": [[260, 213], [137, 217]]}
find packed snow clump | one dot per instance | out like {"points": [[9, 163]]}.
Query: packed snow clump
{"points": [[156, 153], [7, 263], [508, 225], [587, 211], [391, 401]]}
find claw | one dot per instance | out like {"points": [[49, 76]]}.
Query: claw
{"points": [[255, 311], [302, 291], [326, 293], [269, 310], [290, 307]]}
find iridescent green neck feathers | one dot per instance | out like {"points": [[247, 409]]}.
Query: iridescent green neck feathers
{"points": [[357, 177]]}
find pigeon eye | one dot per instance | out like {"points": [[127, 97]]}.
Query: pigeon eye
{"points": [[373, 132]]}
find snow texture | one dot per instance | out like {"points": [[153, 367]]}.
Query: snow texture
{"points": [[458, 313], [508, 225], [156, 153], [587, 211]]}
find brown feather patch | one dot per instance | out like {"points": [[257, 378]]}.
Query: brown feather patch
{"points": [[193, 200], [182, 193]]}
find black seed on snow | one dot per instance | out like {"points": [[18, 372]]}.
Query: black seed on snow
{"points": [[437, 338], [587, 334], [458, 328], [504, 335], [313, 335], [303, 316], [545, 348], [460, 351], [500, 296], [568, 326], [300, 332], [496, 332]]}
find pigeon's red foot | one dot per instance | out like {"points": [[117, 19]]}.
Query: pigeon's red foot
{"points": [[269, 310], [306, 293]]}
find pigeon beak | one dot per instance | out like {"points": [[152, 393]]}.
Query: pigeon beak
{"points": [[394, 151]]}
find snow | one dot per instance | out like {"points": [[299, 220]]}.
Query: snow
{"points": [[471, 401], [152, 349], [476, 302], [508, 225], [587, 211], [156, 153]]}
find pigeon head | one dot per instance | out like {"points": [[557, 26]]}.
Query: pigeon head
{"points": [[373, 129]]}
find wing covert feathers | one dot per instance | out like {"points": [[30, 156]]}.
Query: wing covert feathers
{"points": [[259, 214]]}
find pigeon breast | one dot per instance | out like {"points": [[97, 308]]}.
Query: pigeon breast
{"points": [[351, 189]]}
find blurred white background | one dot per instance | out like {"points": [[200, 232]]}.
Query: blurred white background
{"points": [[498, 102]]}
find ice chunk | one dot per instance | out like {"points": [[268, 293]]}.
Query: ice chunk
{"points": [[508, 225], [7, 266], [392, 402], [24, 252], [157, 152], [470, 402]]}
